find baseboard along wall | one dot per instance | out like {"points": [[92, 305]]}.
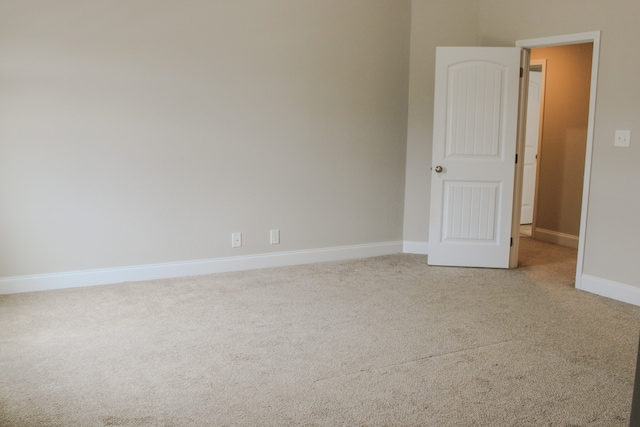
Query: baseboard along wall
{"points": [[73, 279], [43, 282], [555, 237], [410, 247], [610, 289]]}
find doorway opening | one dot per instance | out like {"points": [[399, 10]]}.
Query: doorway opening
{"points": [[555, 143], [563, 166]]}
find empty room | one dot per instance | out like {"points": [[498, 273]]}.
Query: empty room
{"points": [[277, 212]]}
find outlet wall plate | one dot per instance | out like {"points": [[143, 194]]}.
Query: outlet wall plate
{"points": [[622, 138]]}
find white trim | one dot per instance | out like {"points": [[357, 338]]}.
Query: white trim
{"points": [[421, 248], [594, 37], [556, 237], [587, 37], [73, 279], [610, 289]]}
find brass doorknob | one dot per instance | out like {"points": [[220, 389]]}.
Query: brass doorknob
{"points": [[438, 169]]}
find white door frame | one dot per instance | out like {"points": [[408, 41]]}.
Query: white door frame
{"points": [[589, 37]]}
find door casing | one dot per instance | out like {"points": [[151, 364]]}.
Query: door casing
{"points": [[587, 37]]}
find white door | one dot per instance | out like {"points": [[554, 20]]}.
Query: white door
{"points": [[531, 146], [473, 162]]}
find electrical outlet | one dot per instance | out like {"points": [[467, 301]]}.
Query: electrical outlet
{"points": [[622, 138], [236, 240], [274, 237]]}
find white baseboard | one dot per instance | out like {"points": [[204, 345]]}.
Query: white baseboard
{"points": [[610, 289], [73, 279], [409, 247], [556, 237]]}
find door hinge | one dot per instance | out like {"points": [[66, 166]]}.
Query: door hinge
{"points": [[511, 244], [521, 72], [516, 158]]}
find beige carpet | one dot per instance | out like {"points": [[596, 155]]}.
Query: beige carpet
{"points": [[375, 342]]}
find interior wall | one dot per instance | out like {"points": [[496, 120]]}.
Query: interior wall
{"points": [[136, 131], [433, 23], [564, 136], [611, 251]]}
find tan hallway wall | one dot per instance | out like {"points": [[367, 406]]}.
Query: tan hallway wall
{"points": [[564, 136]]}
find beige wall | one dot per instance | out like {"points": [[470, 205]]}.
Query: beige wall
{"points": [[564, 136], [433, 23], [135, 132], [611, 247], [142, 131]]}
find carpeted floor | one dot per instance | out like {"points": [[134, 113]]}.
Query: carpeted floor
{"points": [[380, 341]]}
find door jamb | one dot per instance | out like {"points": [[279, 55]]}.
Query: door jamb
{"points": [[519, 166], [588, 37]]}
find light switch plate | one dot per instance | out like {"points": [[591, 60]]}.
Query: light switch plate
{"points": [[622, 138], [274, 238], [236, 240]]}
